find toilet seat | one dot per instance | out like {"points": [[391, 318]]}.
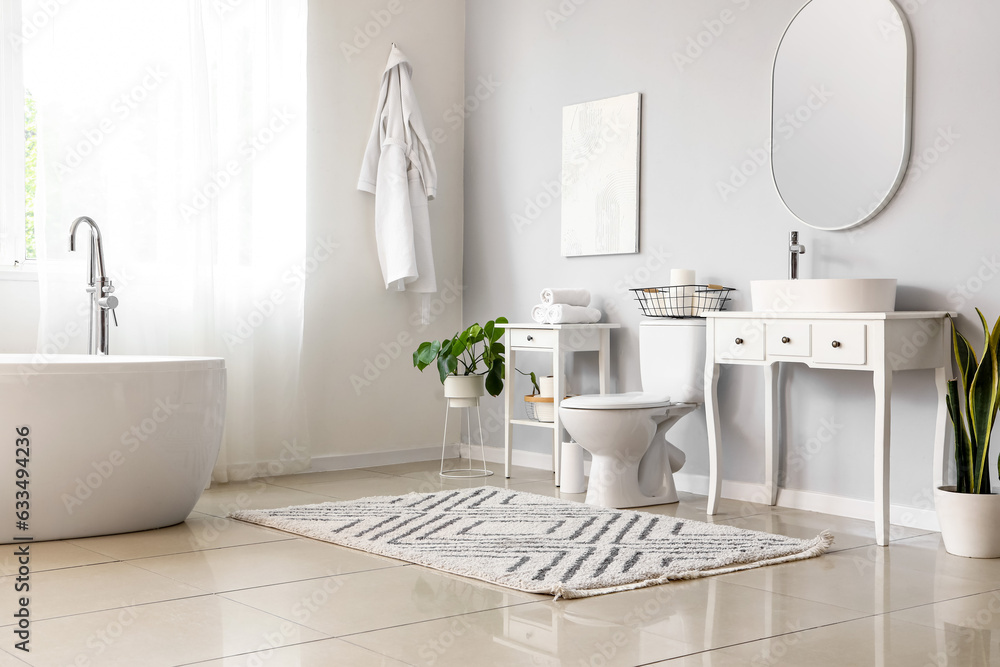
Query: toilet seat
{"points": [[633, 400]]}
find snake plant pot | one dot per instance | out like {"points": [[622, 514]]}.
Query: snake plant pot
{"points": [[464, 391], [970, 522]]}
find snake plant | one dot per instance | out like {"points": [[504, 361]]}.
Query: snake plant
{"points": [[980, 393]]}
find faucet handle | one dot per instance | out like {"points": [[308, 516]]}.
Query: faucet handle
{"points": [[109, 303]]}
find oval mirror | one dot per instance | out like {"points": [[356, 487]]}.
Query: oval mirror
{"points": [[840, 111]]}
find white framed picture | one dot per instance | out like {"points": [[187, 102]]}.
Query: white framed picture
{"points": [[600, 177]]}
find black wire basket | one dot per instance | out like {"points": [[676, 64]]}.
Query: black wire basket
{"points": [[681, 301]]}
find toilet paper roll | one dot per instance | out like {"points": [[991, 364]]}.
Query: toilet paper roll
{"points": [[682, 303], [682, 276], [572, 469]]}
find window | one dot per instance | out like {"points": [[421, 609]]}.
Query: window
{"points": [[30, 164], [13, 191]]}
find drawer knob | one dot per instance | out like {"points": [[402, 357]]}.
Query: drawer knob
{"points": [[530, 338], [835, 343], [786, 340], [739, 341]]}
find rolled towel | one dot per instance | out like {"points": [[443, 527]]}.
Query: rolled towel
{"points": [[540, 313], [568, 295], [561, 313]]}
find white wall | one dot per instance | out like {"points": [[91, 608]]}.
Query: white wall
{"points": [[19, 324], [701, 121], [353, 326]]}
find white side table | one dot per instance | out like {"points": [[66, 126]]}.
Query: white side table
{"points": [[556, 339], [879, 343]]}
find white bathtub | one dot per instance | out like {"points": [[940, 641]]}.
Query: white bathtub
{"points": [[115, 444]]}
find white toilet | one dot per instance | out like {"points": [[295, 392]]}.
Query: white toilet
{"points": [[632, 462]]}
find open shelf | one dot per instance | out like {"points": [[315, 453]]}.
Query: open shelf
{"points": [[532, 422]]}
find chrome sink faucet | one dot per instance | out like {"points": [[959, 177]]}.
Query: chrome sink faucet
{"points": [[102, 303], [794, 250]]}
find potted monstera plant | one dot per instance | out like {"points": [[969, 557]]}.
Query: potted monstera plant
{"points": [[969, 512], [469, 362]]}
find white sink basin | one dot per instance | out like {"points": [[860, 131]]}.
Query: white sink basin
{"points": [[824, 295]]}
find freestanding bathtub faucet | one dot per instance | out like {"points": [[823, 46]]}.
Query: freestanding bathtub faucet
{"points": [[102, 303], [794, 250]]}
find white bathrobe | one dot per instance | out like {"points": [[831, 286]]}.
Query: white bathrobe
{"points": [[399, 170]]}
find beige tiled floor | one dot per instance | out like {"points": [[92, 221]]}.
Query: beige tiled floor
{"points": [[213, 591]]}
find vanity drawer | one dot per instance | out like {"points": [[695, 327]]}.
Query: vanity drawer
{"points": [[533, 337], [840, 343], [739, 339], [788, 339]]}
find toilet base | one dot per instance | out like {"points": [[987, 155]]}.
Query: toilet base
{"points": [[614, 483]]}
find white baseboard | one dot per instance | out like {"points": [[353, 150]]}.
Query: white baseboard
{"points": [[369, 460], [900, 515], [854, 508]]}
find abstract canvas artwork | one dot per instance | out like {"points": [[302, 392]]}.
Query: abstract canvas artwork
{"points": [[600, 177]]}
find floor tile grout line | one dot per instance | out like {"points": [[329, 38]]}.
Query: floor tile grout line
{"points": [[201, 594], [312, 641], [323, 576], [179, 553], [773, 637], [346, 637]]}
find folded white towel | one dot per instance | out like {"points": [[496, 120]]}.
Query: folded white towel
{"points": [[560, 313], [540, 313], [568, 295]]}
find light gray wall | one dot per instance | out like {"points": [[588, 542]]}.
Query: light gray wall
{"points": [[353, 326], [19, 303], [701, 123]]}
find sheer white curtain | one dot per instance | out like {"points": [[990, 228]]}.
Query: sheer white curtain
{"points": [[179, 126]]}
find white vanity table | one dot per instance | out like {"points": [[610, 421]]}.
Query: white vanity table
{"points": [[557, 340], [879, 343]]}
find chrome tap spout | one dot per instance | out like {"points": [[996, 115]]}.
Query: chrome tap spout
{"points": [[794, 250], [102, 303]]}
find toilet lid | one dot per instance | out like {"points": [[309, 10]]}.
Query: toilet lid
{"points": [[631, 401]]}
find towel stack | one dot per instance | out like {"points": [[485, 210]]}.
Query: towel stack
{"points": [[565, 305]]}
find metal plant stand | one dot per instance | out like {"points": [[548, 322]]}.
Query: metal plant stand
{"points": [[468, 404]]}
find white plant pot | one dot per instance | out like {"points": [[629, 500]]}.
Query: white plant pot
{"points": [[464, 391], [970, 522]]}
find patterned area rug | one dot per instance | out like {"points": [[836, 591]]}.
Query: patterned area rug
{"points": [[537, 544]]}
